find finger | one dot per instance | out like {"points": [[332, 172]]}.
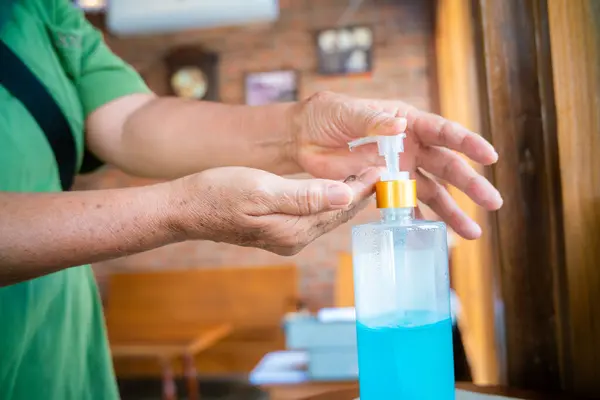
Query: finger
{"points": [[419, 213], [433, 130], [439, 200], [347, 163], [363, 185], [365, 121], [363, 188], [313, 196], [309, 228], [318, 225], [452, 168]]}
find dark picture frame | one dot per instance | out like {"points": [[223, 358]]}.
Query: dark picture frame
{"points": [[345, 50]]}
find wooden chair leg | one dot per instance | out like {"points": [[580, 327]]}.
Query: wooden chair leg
{"points": [[191, 377], [168, 381]]}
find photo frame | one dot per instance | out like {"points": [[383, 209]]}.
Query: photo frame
{"points": [[345, 51], [269, 87]]}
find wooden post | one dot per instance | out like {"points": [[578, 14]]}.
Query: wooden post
{"points": [[575, 43], [191, 377], [168, 377], [518, 117]]}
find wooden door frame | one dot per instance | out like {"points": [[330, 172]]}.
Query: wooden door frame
{"points": [[525, 242], [575, 44], [519, 118]]}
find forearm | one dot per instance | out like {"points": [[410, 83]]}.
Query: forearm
{"points": [[172, 137], [46, 232]]}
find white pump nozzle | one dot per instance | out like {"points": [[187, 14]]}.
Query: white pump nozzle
{"points": [[390, 148]]}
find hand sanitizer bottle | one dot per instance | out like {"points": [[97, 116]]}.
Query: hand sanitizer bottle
{"points": [[402, 293]]}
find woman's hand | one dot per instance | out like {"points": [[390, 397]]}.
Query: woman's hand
{"points": [[326, 122], [253, 208]]}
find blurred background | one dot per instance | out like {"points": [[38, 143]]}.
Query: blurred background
{"points": [[520, 72], [399, 41]]}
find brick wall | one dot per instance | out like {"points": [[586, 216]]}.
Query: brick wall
{"points": [[402, 69]]}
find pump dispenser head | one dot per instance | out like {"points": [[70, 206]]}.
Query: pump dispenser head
{"points": [[396, 189], [390, 148]]}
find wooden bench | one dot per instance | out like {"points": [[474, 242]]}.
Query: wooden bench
{"points": [[214, 320], [166, 350]]}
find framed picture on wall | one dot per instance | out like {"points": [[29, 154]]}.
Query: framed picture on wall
{"points": [[271, 87], [345, 51]]}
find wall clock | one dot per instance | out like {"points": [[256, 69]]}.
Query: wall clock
{"points": [[190, 82], [192, 73]]}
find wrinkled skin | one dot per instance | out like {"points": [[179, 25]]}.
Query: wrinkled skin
{"points": [[254, 208], [326, 122]]}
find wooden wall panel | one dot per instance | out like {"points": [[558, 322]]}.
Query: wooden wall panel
{"points": [[519, 119], [575, 43], [471, 260], [344, 281]]}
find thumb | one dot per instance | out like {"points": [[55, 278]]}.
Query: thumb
{"points": [[365, 121], [312, 196]]}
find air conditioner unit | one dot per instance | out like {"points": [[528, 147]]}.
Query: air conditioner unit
{"points": [[139, 17]]}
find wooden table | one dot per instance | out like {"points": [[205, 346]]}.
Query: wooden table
{"points": [[349, 391], [306, 390], [168, 349]]}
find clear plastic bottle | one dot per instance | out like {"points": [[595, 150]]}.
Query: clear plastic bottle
{"points": [[402, 294]]}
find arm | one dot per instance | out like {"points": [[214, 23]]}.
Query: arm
{"points": [[46, 232], [131, 128], [170, 137]]}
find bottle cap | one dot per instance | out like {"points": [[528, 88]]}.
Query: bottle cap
{"points": [[395, 189]]}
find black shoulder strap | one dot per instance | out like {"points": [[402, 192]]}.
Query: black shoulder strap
{"points": [[16, 77]]}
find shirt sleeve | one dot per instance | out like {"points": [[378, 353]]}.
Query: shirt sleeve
{"points": [[103, 76]]}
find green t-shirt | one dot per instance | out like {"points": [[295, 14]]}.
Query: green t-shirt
{"points": [[52, 339]]}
